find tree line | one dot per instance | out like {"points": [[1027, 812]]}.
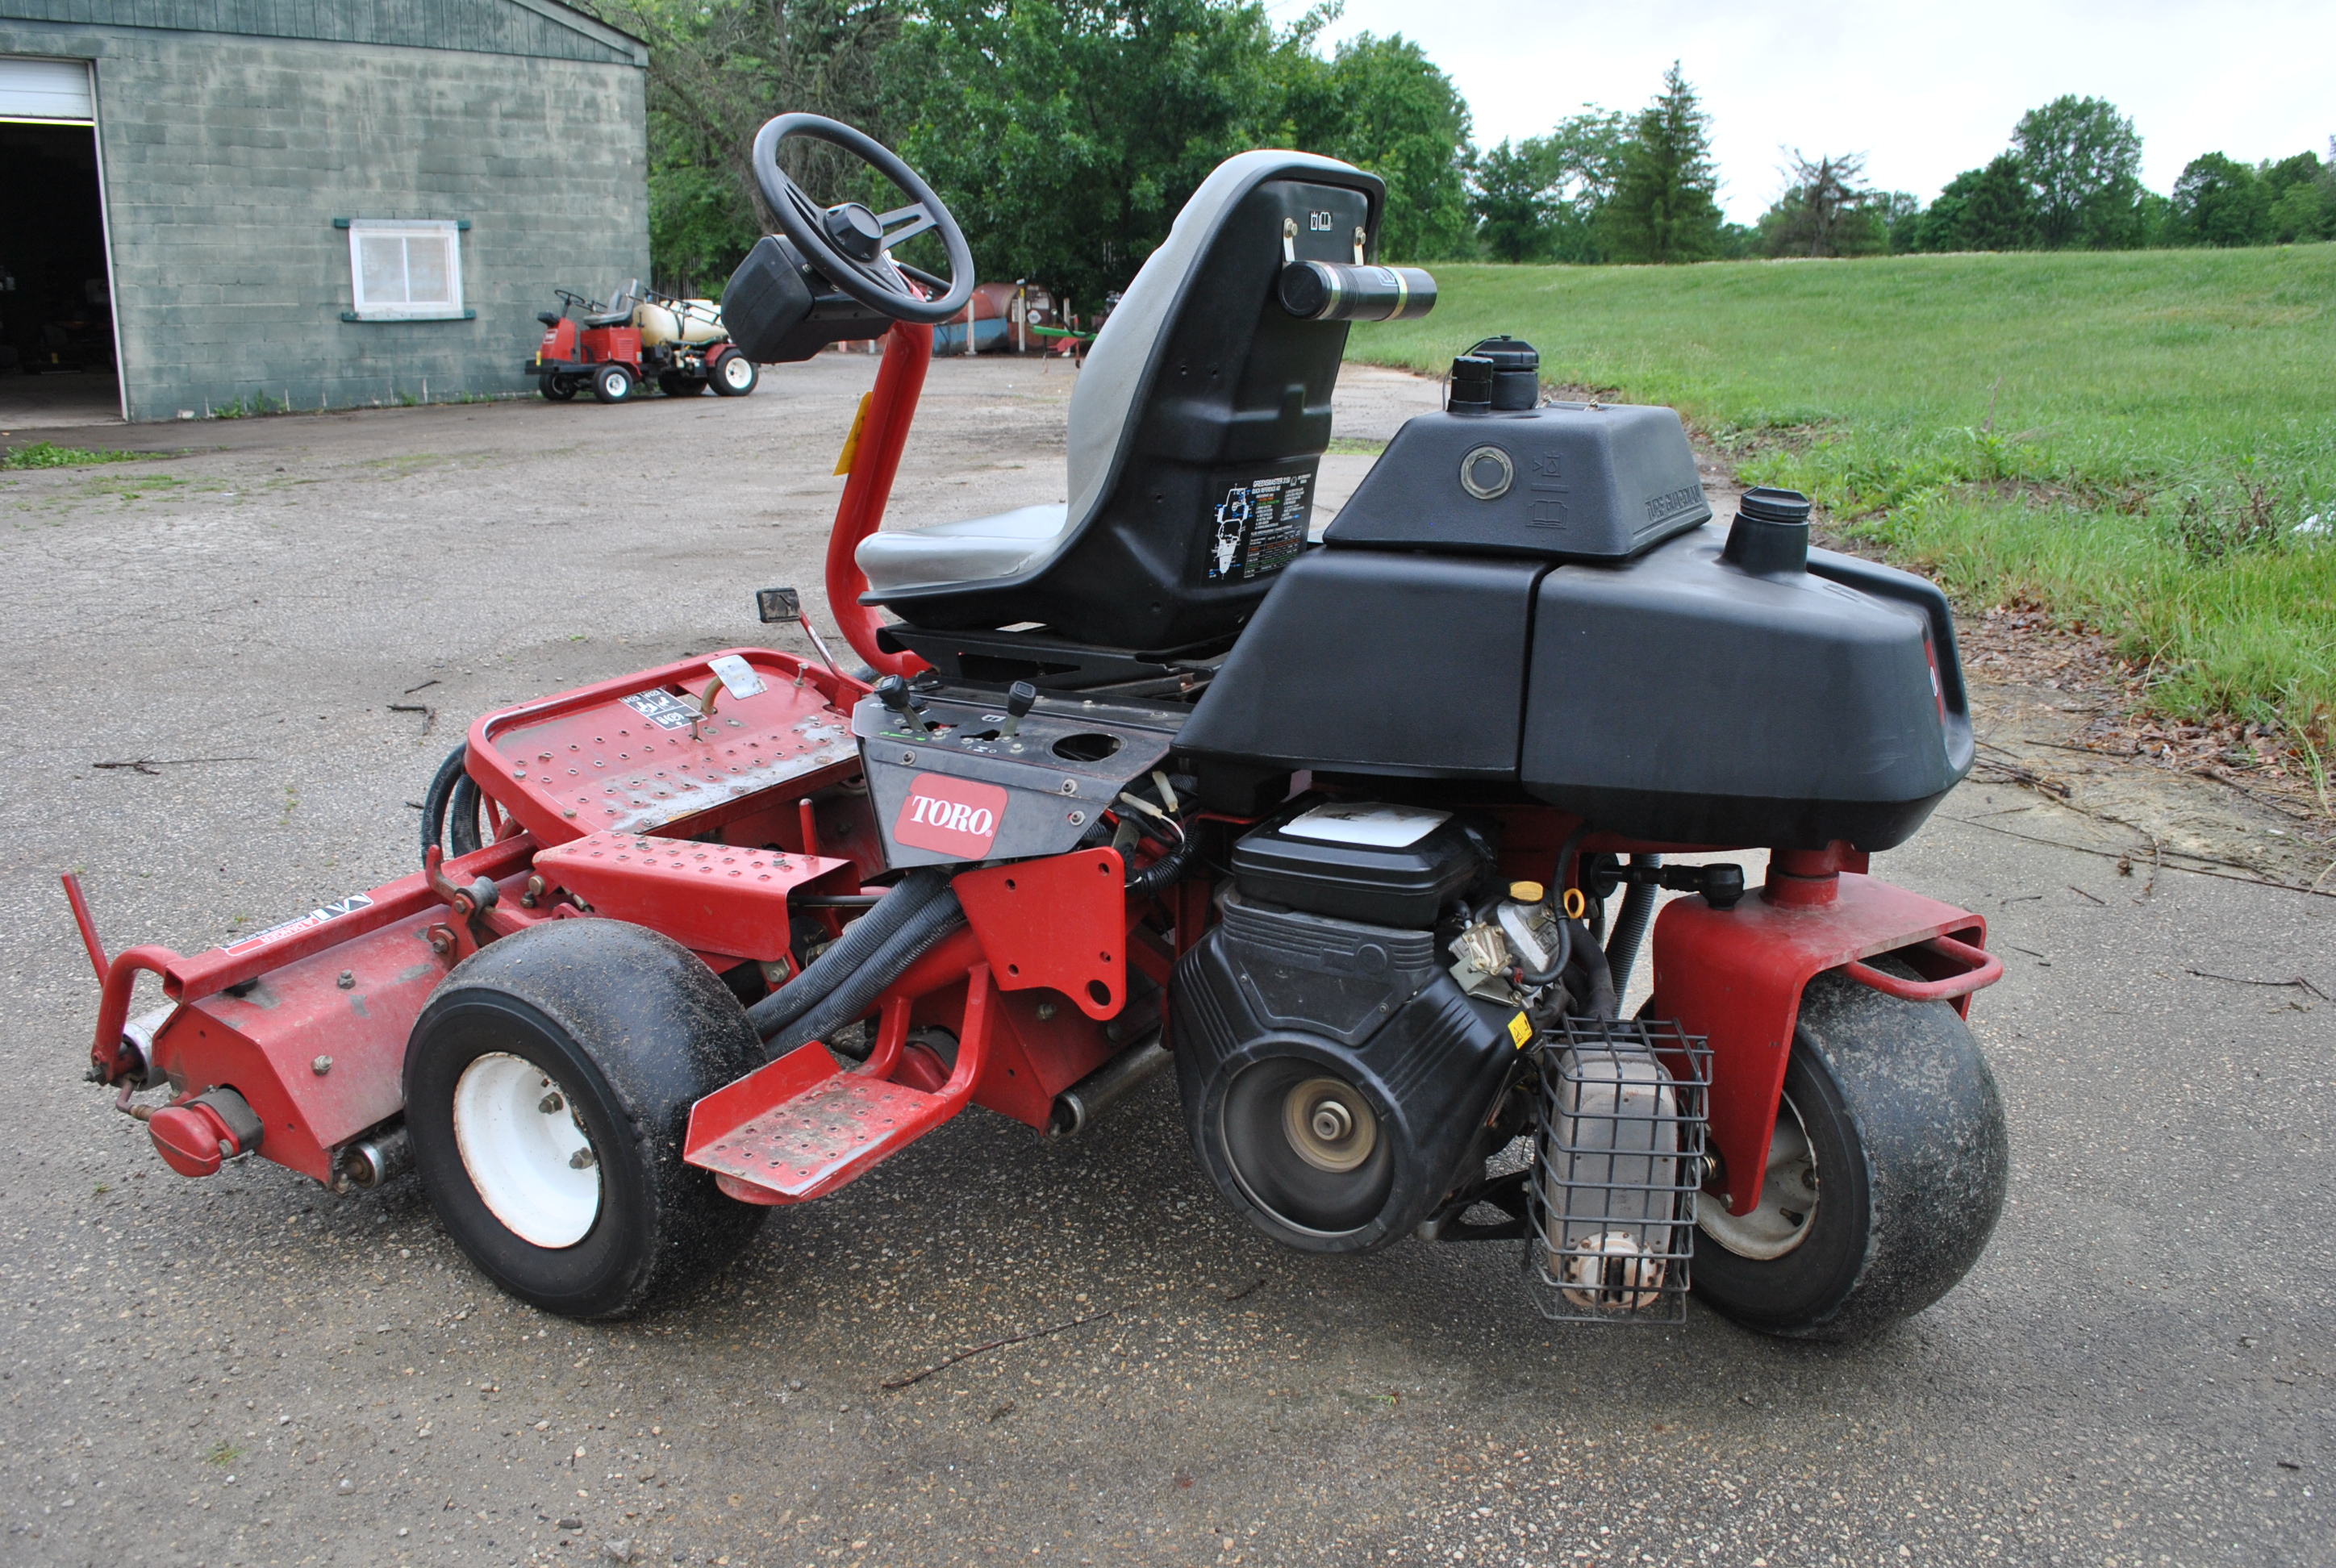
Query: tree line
{"points": [[2070, 179], [1066, 135]]}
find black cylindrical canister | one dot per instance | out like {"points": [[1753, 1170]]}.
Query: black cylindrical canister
{"points": [[1333, 291], [1472, 385], [1517, 372], [1770, 533]]}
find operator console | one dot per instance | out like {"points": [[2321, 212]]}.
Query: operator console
{"points": [[961, 777]]}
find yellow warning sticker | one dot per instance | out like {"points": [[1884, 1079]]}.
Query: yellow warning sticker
{"points": [[1520, 1030], [852, 442]]}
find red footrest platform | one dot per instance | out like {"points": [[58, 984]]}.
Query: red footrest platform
{"points": [[802, 1126], [637, 754]]}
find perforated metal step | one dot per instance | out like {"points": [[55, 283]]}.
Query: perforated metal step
{"points": [[799, 1146]]}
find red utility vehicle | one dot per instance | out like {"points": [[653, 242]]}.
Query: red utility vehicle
{"points": [[637, 336], [1157, 780]]}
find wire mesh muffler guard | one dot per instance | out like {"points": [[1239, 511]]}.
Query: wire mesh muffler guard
{"points": [[1618, 1159]]}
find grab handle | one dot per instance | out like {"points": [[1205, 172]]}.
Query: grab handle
{"points": [[1985, 970]]}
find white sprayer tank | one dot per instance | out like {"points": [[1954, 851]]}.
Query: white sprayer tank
{"points": [[679, 321]]}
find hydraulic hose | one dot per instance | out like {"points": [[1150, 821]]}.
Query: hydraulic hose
{"points": [[848, 952], [1631, 927], [451, 808], [858, 991], [1591, 985], [442, 790], [462, 817]]}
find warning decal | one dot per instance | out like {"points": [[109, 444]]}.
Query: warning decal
{"points": [[333, 911], [662, 708], [1260, 527]]}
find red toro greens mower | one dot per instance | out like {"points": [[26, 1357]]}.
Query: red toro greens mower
{"points": [[1361, 838], [640, 335]]}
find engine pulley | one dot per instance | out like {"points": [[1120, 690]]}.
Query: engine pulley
{"points": [[1334, 1075]]}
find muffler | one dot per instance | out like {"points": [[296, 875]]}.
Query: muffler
{"points": [[1077, 1107], [1619, 1117]]}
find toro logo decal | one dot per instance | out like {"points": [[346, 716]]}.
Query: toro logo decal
{"points": [[953, 816]]}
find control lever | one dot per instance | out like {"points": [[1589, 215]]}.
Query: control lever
{"points": [[1020, 698], [907, 707]]}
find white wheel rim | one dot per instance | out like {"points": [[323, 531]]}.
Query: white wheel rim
{"points": [[523, 1160], [1780, 1222], [736, 371]]}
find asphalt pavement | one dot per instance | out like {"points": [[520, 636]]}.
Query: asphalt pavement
{"points": [[250, 1371]]}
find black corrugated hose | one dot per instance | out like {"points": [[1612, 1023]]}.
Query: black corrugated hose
{"points": [[1631, 927], [851, 952], [874, 951], [857, 991], [1162, 873]]}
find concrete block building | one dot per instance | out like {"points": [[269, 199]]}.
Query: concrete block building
{"points": [[243, 204]]}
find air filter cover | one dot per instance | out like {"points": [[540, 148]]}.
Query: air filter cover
{"points": [[1384, 865]]}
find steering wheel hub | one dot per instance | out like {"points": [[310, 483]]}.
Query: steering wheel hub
{"points": [[855, 230]]}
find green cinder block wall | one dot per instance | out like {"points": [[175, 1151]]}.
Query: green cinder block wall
{"points": [[227, 154]]}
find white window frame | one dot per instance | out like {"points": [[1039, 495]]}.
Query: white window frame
{"points": [[447, 230]]}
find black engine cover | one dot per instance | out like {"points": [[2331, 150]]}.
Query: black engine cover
{"points": [[1273, 1000]]}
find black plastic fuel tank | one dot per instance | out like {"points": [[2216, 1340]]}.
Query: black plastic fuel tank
{"points": [[1780, 697], [1687, 697]]}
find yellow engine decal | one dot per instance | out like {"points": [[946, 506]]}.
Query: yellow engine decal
{"points": [[1520, 1030]]}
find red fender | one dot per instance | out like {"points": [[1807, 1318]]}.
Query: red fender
{"points": [[1736, 977]]}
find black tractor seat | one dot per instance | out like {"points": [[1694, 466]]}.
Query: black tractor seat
{"points": [[620, 307], [1198, 420]]}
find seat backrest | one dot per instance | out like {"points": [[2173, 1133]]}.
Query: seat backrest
{"points": [[1197, 425], [621, 304]]}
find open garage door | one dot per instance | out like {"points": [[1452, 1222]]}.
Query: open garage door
{"points": [[57, 360]]}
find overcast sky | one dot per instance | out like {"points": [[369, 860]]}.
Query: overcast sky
{"points": [[1926, 91]]}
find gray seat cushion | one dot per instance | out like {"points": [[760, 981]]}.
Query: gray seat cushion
{"points": [[976, 550]]}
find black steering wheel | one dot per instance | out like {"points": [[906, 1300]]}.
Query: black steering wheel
{"points": [[852, 245]]}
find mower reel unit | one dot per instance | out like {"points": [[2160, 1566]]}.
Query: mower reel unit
{"points": [[1359, 830]]}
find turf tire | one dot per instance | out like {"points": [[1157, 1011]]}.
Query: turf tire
{"points": [[733, 374], [1907, 1130], [634, 1029], [613, 384]]}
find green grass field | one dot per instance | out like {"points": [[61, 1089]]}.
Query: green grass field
{"points": [[2143, 440]]}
